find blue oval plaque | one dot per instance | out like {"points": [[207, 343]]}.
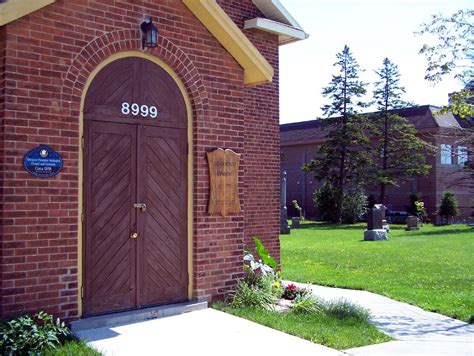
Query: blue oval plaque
{"points": [[43, 162]]}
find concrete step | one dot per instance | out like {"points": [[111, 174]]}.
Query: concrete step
{"points": [[133, 316]]}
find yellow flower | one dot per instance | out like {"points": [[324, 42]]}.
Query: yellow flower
{"points": [[276, 284]]}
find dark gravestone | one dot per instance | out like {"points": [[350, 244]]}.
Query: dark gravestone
{"points": [[375, 230], [375, 217], [412, 223]]}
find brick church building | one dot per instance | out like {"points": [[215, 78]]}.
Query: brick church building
{"points": [[300, 140], [107, 111]]}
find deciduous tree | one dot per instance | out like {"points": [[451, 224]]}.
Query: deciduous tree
{"points": [[450, 53]]}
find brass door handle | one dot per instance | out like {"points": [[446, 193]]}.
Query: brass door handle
{"points": [[134, 235], [141, 206]]}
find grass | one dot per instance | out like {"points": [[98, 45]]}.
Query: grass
{"points": [[322, 329], [431, 268], [73, 348]]}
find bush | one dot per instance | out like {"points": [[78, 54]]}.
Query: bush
{"points": [[412, 210], [306, 305], [270, 284], [251, 296], [325, 201], [449, 207], [28, 335], [354, 205], [344, 309], [291, 292]]}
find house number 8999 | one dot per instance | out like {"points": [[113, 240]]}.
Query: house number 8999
{"points": [[142, 110]]}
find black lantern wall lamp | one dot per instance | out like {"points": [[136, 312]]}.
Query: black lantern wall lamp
{"points": [[149, 34]]}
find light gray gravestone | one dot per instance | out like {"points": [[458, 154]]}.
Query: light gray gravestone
{"points": [[284, 228]]}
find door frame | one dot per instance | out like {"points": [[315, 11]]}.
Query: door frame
{"points": [[190, 214]]}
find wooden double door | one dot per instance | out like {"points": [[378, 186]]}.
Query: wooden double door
{"points": [[135, 199]]}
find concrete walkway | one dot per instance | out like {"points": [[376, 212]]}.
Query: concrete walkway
{"points": [[213, 333], [204, 332], [418, 332]]}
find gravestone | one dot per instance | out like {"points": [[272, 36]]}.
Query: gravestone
{"points": [[284, 228], [375, 229], [412, 223], [295, 222]]}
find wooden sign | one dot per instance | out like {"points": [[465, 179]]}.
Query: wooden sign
{"points": [[224, 177]]}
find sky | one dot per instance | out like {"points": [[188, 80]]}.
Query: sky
{"points": [[373, 30]]}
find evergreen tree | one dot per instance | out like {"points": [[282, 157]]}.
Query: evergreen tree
{"points": [[449, 207], [341, 159], [402, 153]]}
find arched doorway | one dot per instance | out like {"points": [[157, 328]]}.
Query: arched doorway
{"points": [[135, 247]]}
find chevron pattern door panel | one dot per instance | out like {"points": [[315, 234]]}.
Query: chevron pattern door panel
{"points": [[163, 186], [110, 193]]}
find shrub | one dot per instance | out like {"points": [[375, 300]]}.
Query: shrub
{"points": [[354, 205], [291, 292], [325, 201], [449, 207], [266, 265], [251, 296], [412, 207], [306, 305], [30, 335], [270, 284], [344, 309], [298, 209]]}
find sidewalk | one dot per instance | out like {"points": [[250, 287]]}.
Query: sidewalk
{"points": [[204, 332], [213, 333], [418, 332]]}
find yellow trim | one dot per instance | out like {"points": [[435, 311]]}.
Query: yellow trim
{"points": [[14, 9], [257, 70], [182, 88]]}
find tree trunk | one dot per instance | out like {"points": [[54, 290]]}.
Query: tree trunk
{"points": [[385, 153], [382, 193]]}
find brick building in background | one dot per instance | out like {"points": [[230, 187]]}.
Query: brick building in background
{"points": [[300, 141], [133, 126]]}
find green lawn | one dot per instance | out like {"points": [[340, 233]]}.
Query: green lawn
{"points": [[73, 348], [320, 329], [432, 267]]}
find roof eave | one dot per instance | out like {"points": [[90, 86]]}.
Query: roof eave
{"points": [[286, 33], [257, 70], [14, 9]]}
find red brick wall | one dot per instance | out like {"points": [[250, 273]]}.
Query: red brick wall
{"points": [[49, 56], [2, 163], [262, 138]]}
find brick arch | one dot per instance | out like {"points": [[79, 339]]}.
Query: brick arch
{"points": [[101, 48], [129, 40]]}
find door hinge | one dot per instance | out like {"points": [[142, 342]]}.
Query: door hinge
{"points": [[82, 292], [82, 142]]}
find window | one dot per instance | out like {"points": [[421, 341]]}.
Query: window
{"points": [[462, 155], [446, 157]]}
